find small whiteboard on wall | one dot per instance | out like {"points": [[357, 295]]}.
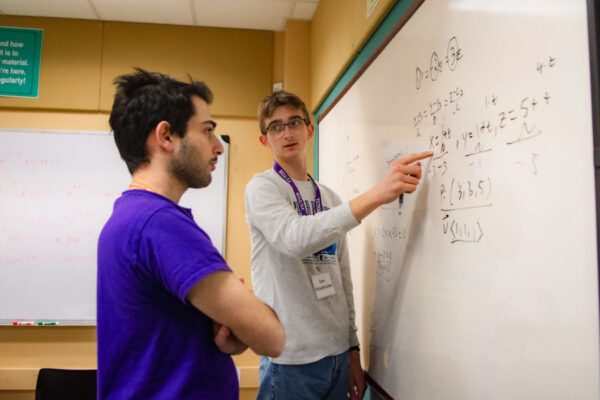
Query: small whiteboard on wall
{"points": [[57, 189], [483, 284]]}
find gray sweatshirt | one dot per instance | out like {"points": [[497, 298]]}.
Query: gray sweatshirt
{"points": [[284, 265]]}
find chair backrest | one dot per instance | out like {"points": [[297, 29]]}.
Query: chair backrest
{"points": [[66, 384]]}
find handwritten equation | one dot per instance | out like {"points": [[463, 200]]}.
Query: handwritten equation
{"points": [[45, 211], [384, 264], [436, 64], [452, 100], [13, 159], [460, 146], [379, 233]]}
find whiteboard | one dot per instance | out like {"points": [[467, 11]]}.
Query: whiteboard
{"points": [[57, 190], [483, 284]]}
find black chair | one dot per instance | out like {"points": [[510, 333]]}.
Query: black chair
{"points": [[66, 384]]}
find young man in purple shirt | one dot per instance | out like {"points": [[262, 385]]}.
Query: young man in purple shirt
{"points": [[170, 312]]}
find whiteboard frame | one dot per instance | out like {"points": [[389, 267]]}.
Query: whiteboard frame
{"points": [[396, 18]]}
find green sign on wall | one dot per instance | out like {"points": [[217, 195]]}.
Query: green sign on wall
{"points": [[20, 55]]}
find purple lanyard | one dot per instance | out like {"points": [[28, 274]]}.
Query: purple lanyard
{"points": [[318, 205]]}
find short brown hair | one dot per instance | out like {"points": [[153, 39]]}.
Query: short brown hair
{"points": [[278, 99]]}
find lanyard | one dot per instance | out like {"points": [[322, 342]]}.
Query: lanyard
{"points": [[301, 206]]}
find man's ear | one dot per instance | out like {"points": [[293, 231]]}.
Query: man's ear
{"points": [[264, 140], [163, 135], [311, 131]]}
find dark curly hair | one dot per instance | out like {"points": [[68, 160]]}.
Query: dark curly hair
{"points": [[144, 99]]}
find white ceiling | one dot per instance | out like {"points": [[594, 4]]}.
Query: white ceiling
{"points": [[246, 14]]}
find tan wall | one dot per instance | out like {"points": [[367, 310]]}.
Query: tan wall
{"points": [[236, 64], [339, 29], [278, 55]]}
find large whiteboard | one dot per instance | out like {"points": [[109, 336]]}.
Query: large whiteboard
{"points": [[57, 189], [483, 284]]}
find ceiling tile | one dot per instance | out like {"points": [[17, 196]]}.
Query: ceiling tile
{"points": [[177, 12], [79, 9], [245, 14], [304, 10]]}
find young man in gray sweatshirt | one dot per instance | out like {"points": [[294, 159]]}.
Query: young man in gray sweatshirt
{"points": [[300, 263]]}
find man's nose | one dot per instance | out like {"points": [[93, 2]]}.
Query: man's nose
{"points": [[219, 149], [287, 129]]}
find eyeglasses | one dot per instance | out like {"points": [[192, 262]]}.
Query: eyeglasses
{"points": [[295, 124]]}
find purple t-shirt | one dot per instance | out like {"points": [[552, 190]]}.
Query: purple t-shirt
{"points": [[152, 343]]}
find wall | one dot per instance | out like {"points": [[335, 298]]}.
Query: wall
{"points": [[79, 61], [339, 30]]}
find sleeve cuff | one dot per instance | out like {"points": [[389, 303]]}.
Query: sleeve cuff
{"points": [[353, 339]]}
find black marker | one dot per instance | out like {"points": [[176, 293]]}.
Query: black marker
{"points": [[400, 201]]}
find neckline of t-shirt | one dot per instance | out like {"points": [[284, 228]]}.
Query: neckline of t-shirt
{"points": [[143, 192], [306, 183]]}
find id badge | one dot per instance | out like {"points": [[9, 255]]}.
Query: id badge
{"points": [[323, 285]]}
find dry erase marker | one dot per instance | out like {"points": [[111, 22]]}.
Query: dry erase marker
{"points": [[400, 201], [47, 323], [23, 323]]}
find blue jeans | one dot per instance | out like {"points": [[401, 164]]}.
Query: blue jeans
{"points": [[327, 379]]}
